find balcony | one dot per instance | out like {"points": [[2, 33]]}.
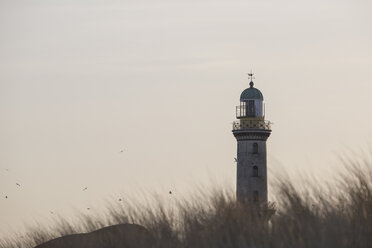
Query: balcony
{"points": [[251, 124]]}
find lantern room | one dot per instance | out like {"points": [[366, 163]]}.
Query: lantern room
{"points": [[251, 104]]}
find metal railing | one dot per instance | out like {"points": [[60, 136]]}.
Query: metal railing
{"points": [[251, 124]]}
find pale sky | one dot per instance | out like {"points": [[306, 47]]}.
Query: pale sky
{"points": [[82, 80]]}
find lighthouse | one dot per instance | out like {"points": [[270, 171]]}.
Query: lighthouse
{"points": [[251, 131]]}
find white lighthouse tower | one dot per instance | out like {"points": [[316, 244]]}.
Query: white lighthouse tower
{"points": [[251, 131]]}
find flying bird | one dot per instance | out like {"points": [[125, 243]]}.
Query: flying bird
{"points": [[119, 199], [85, 188], [18, 184], [170, 192], [88, 208], [6, 197], [235, 160]]}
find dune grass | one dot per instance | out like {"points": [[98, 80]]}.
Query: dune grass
{"points": [[337, 215]]}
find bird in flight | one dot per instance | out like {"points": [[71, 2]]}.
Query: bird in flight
{"points": [[119, 199], [170, 192], [88, 208], [18, 184], [85, 188], [235, 160], [6, 197]]}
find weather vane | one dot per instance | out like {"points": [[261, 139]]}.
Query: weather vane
{"points": [[250, 76]]}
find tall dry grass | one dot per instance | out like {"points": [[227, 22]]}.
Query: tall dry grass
{"points": [[338, 215]]}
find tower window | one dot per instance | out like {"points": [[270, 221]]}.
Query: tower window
{"points": [[255, 171], [255, 148], [255, 196]]}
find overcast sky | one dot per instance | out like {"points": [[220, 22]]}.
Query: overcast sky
{"points": [[82, 80]]}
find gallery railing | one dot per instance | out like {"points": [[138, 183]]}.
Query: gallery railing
{"points": [[251, 124]]}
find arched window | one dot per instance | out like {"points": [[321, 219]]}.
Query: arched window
{"points": [[255, 148], [255, 171], [255, 196]]}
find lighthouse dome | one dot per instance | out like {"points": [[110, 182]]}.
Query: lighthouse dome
{"points": [[251, 93]]}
